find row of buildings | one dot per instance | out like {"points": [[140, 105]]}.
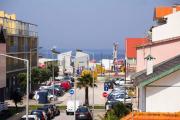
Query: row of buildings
{"points": [[154, 62], [18, 39]]}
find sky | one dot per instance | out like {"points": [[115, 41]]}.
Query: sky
{"points": [[86, 24]]}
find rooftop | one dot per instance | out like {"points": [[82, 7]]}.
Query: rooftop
{"points": [[160, 70], [152, 116], [132, 43]]}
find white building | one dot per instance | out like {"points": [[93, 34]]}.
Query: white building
{"points": [[170, 27], [159, 91], [81, 60], [107, 63], [65, 62]]}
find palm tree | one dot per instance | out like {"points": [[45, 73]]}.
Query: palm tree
{"points": [[86, 81]]}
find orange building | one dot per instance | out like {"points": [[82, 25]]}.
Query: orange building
{"points": [[130, 50]]}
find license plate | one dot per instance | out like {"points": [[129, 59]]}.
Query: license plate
{"points": [[81, 115]]}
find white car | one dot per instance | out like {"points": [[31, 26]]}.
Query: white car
{"points": [[30, 117], [50, 96], [120, 82], [71, 107]]}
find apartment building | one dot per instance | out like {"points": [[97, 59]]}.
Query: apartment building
{"points": [[21, 41]]}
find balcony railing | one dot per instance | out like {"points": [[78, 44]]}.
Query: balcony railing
{"points": [[17, 27]]}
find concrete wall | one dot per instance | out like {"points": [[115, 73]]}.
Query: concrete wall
{"points": [[163, 95], [2, 66], [161, 53], [168, 30]]}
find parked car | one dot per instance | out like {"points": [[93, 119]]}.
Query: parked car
{"points": [[48, 112], [40, 113], [71, 80], [70, 109], [30, 117], [83, 113], [50, 96], [65, 85], [119, 81], [53, 108]]}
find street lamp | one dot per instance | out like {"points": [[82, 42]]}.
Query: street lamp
{"points": [[30, 62], [27, 77], [53, 50]]}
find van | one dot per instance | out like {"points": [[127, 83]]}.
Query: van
{"points": [[70, 109]]}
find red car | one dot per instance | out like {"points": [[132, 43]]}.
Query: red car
{"points": [[65, 85]]}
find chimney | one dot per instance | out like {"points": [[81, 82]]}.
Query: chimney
{"points": [[149, 64]]}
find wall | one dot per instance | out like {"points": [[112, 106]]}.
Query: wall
{"points": [[2, 66], [161, 53], [163, 95], [168, 30]]}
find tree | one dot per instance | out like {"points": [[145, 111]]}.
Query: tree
{"points": [[56, 70], [86, 81], [118, 111], [45, 75], [22, 81], [16, 97], [35, 75]]}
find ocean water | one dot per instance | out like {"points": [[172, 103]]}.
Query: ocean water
{"points": [[98, 54]]}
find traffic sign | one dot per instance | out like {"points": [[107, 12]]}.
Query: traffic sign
{"points": [[71, 91], [105, 94], [106, 88]]}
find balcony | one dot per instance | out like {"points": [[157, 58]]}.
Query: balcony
{"points": [[18, 28]]}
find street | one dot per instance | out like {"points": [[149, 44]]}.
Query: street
{"points": [[80, 95], [63, 115]]}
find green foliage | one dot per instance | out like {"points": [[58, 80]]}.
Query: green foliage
{"points": [[111, 115], [56, 70], [38, 76], [85, 81], [22, 81], [35, 75], [118, 111], [45, 75]]}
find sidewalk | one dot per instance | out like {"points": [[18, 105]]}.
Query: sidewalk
{"points": [[17, 116]]}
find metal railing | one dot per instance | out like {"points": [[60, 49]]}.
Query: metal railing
{"points": [[17, 27]]}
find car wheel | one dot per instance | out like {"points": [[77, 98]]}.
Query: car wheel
{"points": [[67, 113], [51, 99]]}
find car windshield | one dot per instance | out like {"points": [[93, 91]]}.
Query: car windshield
{"points": [[66, 78], [82, 109]]}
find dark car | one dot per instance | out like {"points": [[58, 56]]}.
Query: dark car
{"points": [[40, 114], [53, 108], [48, 112], [83, 113]]}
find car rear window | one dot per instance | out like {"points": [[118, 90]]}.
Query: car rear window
{"points": [[83, 109]]}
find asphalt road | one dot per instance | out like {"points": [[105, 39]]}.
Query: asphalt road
{"points": [[80, 95], [63, 115]]}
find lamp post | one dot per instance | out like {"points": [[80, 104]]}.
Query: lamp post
{"points": [[53, 50], [30, 64], [27, 83], [92, 53]]}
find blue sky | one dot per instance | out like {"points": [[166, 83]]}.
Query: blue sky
{"points": [[86, 24]]}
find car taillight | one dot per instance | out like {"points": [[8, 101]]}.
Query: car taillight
{"points": [[43, 118], [77, 113]]}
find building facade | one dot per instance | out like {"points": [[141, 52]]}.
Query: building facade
{"points": [[160, 50], [21, 41], [159, 91]]}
